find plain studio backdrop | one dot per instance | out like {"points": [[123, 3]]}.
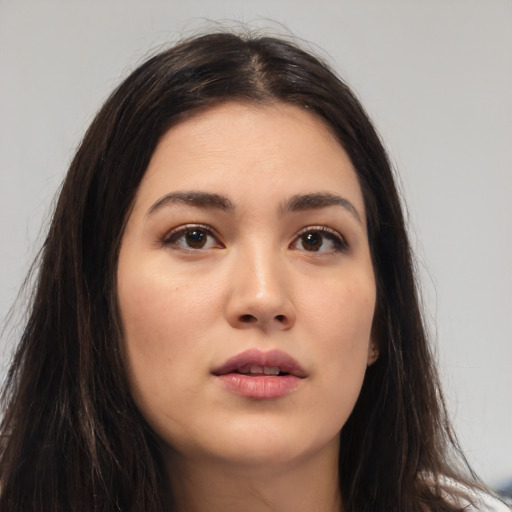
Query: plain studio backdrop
{"points": [[436, 77]]}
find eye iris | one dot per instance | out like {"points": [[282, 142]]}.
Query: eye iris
{"points": [[312, 241], [196, 238]]}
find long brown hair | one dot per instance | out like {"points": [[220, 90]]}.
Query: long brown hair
{"points": [[72, 438]]}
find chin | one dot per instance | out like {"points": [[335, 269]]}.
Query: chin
{"points": [[263, 446]]}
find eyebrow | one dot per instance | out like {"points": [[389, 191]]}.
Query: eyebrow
{"points": [[298, 202], [301, 202], [193, 198]]}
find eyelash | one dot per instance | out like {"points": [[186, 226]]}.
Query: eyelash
{"points": [[338, 241], [173, 238]]}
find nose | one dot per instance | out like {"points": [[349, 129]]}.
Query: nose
{"points": [[259, 293]]}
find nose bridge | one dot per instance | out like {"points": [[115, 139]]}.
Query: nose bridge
{"points": [[262, 269], [259, 291]]}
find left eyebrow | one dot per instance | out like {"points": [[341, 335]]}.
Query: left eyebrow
{"points": [[301, 202]]}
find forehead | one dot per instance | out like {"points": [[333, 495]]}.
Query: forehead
{"points": [[244, 150]]}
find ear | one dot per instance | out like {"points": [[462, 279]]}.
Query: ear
{"points": [[373, 352]]}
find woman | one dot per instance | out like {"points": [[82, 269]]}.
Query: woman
{"points": [[226, 316]]}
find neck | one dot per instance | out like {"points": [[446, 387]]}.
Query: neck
{"points": [[308, 485]]}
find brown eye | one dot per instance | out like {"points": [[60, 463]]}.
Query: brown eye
{"points": [[320, 239], [196, 239], [192, 238], [312, 241]]}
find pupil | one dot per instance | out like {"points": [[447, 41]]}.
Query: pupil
{"points": [[196, 238], [312, 241]]}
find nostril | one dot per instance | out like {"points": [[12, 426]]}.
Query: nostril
{"points": [[247, 318]]}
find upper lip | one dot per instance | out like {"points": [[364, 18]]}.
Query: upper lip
{"points": [[272, 358]]}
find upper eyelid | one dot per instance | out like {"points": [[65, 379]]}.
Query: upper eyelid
{"points": [[318, 227], [338, 239], [213, 232], [322, 229], [186, 227]]}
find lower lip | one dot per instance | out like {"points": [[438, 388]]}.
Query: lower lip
{"points": [[260, 387]]}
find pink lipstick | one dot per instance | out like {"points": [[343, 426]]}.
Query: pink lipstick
{"points": [[260, 375]]}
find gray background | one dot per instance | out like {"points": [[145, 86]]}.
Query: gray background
{"points": [[435, 75]]}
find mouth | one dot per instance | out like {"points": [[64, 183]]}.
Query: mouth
{"points": [[260, 375], [255, 370]]}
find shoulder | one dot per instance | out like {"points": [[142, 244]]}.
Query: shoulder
{"points": [[472, 499], [488, 503]]}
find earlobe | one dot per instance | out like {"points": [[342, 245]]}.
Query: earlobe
{"points": [[373, 353]]}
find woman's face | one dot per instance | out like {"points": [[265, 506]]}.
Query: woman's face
{"points": [[246, 287]]}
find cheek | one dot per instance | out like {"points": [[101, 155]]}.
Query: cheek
{"points": [[343, 324], [343, 310], [163, 319], [162, 308]]}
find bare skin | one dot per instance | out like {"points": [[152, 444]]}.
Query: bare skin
{"points": [[310, 485], [247, 242]]}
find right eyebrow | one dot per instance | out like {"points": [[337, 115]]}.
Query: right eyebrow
{"points": [[192, 198], [318, 200]]}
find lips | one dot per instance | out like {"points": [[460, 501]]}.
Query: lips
{"points": [[257, 362], [260, 375]]}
